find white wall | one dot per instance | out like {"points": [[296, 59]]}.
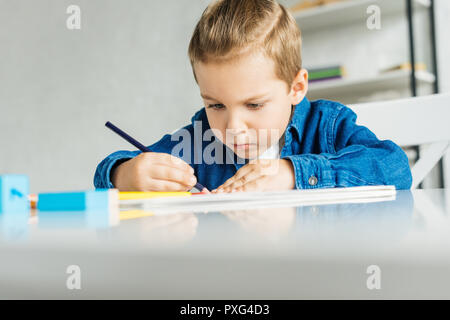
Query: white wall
{"points": [[127, 64]]}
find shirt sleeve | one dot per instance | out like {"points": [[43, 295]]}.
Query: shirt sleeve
{"points": [[102, 176], [355, 157]]}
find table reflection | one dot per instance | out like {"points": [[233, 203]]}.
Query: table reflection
{"points": [[378, 221], [14, 226], [271, 222], [170, 229], [92, 219]]}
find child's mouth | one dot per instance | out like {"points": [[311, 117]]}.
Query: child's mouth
{"points": [[244, 146]]}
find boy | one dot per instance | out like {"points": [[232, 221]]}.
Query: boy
{"points": [[257, 131]]}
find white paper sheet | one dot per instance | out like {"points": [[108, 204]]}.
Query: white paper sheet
{"points": [[246, 200]]}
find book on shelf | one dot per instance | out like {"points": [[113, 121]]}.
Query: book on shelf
{"points": [[326, 73]]}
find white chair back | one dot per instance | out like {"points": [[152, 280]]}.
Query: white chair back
{"points": [[414, 121]]}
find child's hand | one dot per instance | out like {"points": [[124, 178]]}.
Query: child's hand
{"points": [[261, 175], [151, 171]]}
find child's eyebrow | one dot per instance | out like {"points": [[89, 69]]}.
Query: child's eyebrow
{"points": [[259, 96]]}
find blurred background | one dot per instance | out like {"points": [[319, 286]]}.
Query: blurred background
{"points": [[128, 63]]}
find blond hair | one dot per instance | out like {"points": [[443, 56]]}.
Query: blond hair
{"points": [[229, 28]]}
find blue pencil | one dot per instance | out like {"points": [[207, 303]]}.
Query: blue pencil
{"points": [[138, 145]]}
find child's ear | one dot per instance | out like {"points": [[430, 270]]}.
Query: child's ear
{"points": [[299, 87]]}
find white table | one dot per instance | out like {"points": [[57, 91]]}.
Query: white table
{"points": [[288, 253]]}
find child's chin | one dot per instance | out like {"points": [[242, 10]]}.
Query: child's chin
{"points": [[246, 154]]}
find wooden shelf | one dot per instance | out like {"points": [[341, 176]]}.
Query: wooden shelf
{"points": [[345, 88], [349, 11]]}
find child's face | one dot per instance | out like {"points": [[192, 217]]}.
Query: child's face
{"points": [[247, 105]]}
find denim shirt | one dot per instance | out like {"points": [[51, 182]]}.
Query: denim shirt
{"points": [[326, 147]]}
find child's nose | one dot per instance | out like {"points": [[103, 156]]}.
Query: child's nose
{"points": [[235, 131], [236, 125]]}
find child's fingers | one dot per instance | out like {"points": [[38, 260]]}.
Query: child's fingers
{"points": [[245, 179], [179, 163], [169, 160], [163, 172], [254, 185], [165, 185], [238, 175]]}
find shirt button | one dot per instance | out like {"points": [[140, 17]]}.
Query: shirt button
{"points": [[312, 181]]}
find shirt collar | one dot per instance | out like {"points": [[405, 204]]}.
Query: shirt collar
{"points": [[296, 126], [299, 117]]}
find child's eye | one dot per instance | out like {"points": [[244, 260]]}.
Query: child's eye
{"points": [[255, 105], [216, 106]]}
